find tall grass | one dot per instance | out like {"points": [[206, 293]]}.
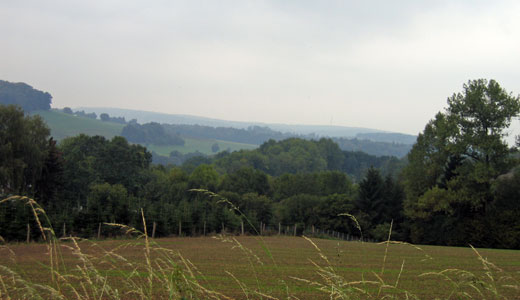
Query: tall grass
{"points": [[162, 273]]}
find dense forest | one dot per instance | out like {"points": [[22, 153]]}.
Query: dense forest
{"points": [[150, 133], [252, 135], [458, 185]]}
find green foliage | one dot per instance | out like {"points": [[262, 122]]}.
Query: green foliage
{"points": [[81, 113], [454, 163], [329, 211], [379, 203], [106, 203], [246, 180], [504, 211], [302, 156], [95, 159], [24, 95], [24, 148], [320, 184], [300, 209], [204, 177], [30, 164], [255, 135], [372, 147], [150, 133]]}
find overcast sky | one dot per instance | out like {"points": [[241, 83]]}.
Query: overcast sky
{"points": [[380, 64]]}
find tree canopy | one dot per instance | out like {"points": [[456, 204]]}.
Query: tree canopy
{"points": [[24, 95], [150, 133], [24, 148], [454, 163]]}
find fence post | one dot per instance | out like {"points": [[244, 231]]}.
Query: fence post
{"points": [[279, 228], [99, 231], [204, 232], [28, 233], [153, 230], [294, 229], [242, 225], [180, 228], [64, 230], [261, 227]]}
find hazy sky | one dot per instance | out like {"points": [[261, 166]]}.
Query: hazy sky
{"points": [[381, 64]]}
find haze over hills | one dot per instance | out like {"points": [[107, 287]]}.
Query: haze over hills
{"points": [[317, 130], [181, 136]]}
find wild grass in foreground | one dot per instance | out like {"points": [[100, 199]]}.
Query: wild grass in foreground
{"points": [[227, 267]]}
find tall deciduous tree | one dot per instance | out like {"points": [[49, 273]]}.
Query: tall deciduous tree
{"points": [[454, 162]]}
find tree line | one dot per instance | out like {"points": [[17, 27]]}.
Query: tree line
{"points": [[24, 95], [459, 184]]}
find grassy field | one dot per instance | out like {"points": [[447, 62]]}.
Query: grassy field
{"points": [[281, 267], [63, 125], [203, 146]]}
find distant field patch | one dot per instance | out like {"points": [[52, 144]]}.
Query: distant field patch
{"points": [[63, 125], [203, 146]]}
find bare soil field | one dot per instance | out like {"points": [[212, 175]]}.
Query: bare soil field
{"points": [[250, 267]]}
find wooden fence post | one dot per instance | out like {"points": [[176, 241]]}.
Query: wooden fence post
{"points": [[279, 228], [99, 231], [64, 230], [242, 226], [180, 228], [204, 232], [294, 229], [28, 233], [153, 230]]}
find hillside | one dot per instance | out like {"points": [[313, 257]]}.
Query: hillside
{"points": [[297, 129], [63, 125], [200, 139], [24, 95]]}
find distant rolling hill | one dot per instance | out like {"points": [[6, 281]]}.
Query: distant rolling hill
{"points": [[388, 137], [64, 125], [318, 130]]}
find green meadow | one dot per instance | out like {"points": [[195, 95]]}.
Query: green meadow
{"points": [[63, 125], [203, 146]]}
